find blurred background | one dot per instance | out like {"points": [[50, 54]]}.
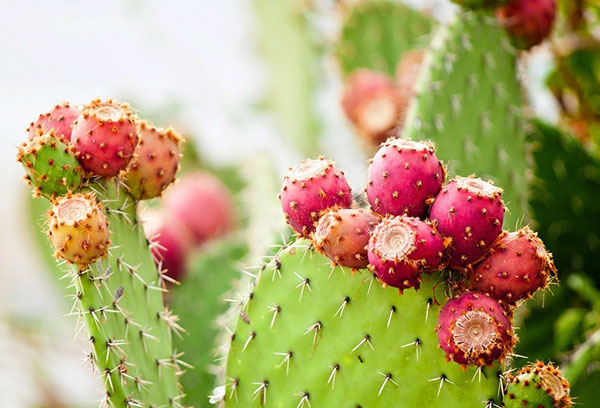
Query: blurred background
{"points": [[254, 86]]}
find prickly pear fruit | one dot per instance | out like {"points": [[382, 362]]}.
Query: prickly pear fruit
{"points": [[537, 385], [478, 4], [59, 119], [474, 329], [78, 229], [203, 204], [401, 248], [170, 243], [517, 265], [309, 188], [528, 22], [155, 161], [470, 212], [105, 137], [51, 165], [372, 103], [343, 235], [403, 176], [407, 72]]}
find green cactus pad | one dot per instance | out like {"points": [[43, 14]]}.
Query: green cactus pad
{"points": [[469, 103], [312, 336], [375, 34], [51, 165], [121, 301], [537, 386]]}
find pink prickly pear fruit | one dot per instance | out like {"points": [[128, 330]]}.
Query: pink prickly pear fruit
{"points": [[470, 212], [517, 265], [343, 235], [203, 204], [372, 103], [309, 188], [474, 329], [528, 22], [59, 119], [78, 229], [401, 249], [155, 161], [407, 71], [403, 177], [170, 244], [105, 137]]}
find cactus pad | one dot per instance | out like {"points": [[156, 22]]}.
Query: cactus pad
{"points": [[468, 102], [312, 336], [373, 38]]}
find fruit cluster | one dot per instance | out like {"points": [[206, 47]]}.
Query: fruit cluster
{"points": [[417, 223]]}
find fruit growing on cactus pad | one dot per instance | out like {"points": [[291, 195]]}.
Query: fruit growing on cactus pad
{"points": [[59, 119], [309, 188], [474, 329], [105, 137], [528, 22], [155, 161], [537, 385], [371, 101], [78, 229], [401, 248], [403, 177], [51, 165], [343, 235], [203, 204], [470, 212], [517, 266]]}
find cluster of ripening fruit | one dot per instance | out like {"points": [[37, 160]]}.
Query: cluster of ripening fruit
{"points": [[417, 224], [69, 148]]}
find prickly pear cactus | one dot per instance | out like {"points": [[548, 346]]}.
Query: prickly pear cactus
{"points": [[372, 37], [313, 335], [468, 102], [117, 290]]}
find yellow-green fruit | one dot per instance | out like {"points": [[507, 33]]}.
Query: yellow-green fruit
{"points": [[78, 229], [538, 385]]}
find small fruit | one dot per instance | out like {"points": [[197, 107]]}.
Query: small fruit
{"points": [[309, 188], [474, 329], [105, 137], [343, 235], [470, 212], [528, 22], [401, 248], [517, 266], [203, 204], [78, 229], [537, 385], [372, 103], [60, 120], [155, 161], [403, 177]]}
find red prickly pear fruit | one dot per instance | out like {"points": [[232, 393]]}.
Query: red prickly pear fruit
{"points": [[470, 212], [170, 244], [401, 248], [60, 119], [372, 103], [78, 229], [155, 161], [474, 329], [528, 22], [105, 137], [343, 235], [403, 177], [309, 188], [517, 265], [203, 204]]}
